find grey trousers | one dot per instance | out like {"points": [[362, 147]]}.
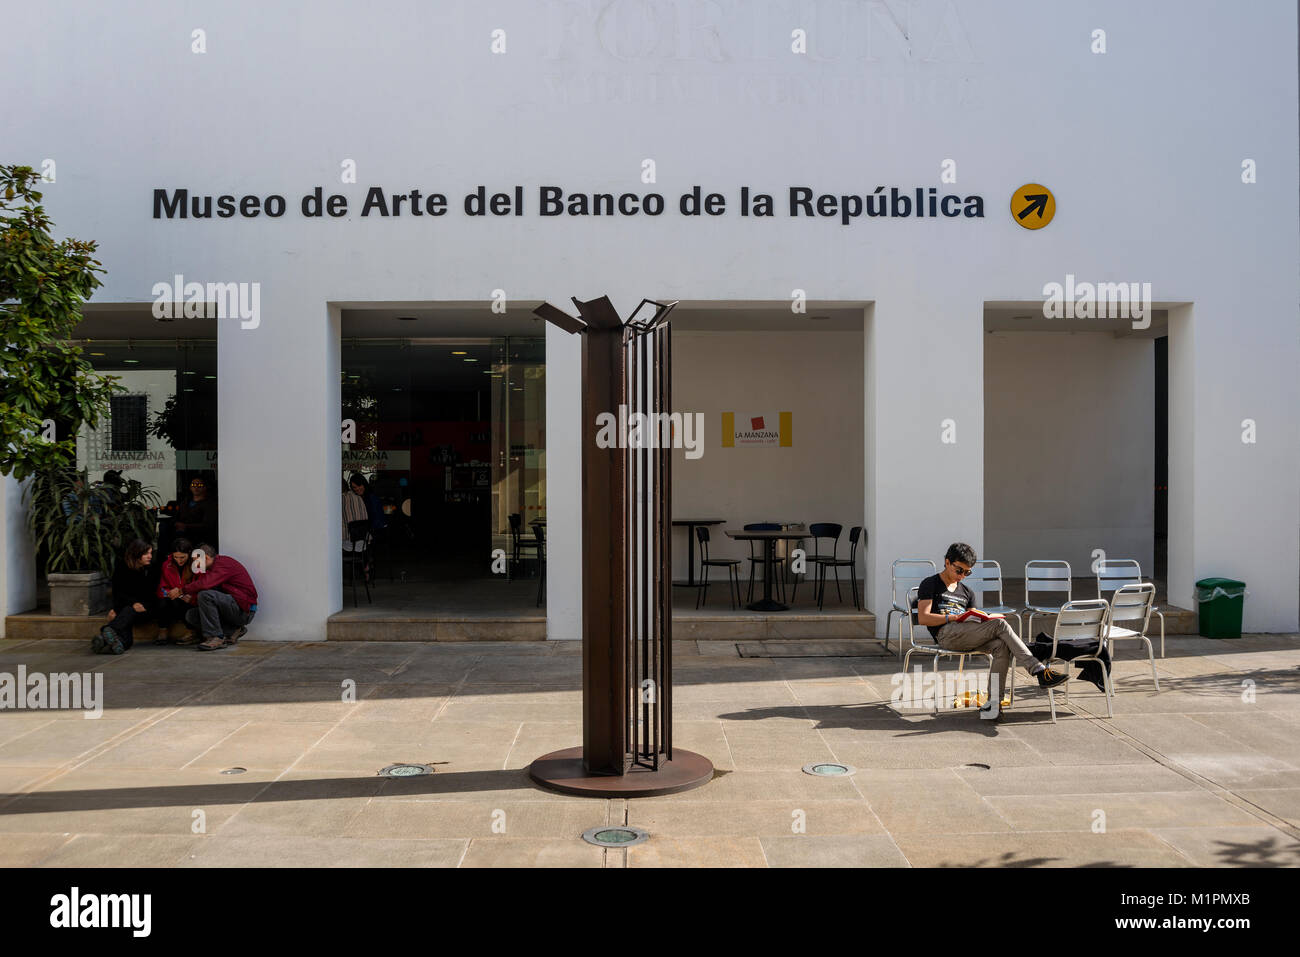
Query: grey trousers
{"points": [[217, 613], [995, 637]]}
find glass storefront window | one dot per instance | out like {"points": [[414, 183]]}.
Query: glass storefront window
{"points": [[450, 436], [162, 430]]}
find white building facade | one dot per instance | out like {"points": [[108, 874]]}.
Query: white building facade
{"points": [[1165, 132]]}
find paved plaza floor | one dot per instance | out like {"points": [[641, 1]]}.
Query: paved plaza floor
{"points": [[1205, 773]]}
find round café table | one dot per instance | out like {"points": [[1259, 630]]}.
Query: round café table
{"points": [[689, 524], [769, 539]]}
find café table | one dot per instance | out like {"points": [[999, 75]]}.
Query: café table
{"points": [[769, 539], [689, 524]]}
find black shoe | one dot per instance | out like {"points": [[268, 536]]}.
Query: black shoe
{"points": [[102, 644], [1047, 678]]}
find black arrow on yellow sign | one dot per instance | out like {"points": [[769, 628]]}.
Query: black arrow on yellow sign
{"points": [[1037, 202], [1033, 206]]}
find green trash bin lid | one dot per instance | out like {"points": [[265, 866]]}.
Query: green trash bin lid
{"points": [[1207, 589]]}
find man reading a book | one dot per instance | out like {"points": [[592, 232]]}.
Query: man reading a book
{"points": [[947, 607]]}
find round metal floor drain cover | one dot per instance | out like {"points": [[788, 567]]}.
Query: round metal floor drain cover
{"points": [[406, 770], [829, 769], [234, 770], [615, 836]]}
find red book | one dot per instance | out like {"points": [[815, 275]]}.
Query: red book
{"points": [[973, 614]]}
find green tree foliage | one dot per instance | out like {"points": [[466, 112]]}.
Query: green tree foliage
{"points": [[42, 376]]}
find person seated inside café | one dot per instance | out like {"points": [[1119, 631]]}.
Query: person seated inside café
{"points": [[196, 517]]}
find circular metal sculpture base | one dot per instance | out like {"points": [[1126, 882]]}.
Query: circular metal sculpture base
{"points": [[564, 771]]}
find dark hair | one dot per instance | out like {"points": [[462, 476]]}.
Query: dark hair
{"points": [[359, 479], [112, 477], [183, 545], [960, 552], [210, 549], [135, 551]]}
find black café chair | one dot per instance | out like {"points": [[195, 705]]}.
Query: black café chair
{"points": [[851, 563], [758, 556], [355, 560], [731, 564], [519, 544], [819, 556], [540, 544]]}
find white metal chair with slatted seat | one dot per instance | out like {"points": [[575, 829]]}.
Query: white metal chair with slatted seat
{"points": [[1045, 576], [986, 578], [930, 645], [1084, 620], [1133, 604], [904, 575], [1113, 573]]}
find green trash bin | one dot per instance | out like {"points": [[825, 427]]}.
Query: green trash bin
{"points": [[1221, 601]]}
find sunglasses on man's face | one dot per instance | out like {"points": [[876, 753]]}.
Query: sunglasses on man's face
{"points": [[962, 572]]}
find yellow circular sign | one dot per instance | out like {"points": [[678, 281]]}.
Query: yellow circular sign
{"points": [[1033, 206]]}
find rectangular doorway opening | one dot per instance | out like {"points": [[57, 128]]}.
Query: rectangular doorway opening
{"points": [[1076, 448], [444, 475], [780, 397]]}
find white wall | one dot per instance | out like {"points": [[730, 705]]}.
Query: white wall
{"points": [[1069, 425], [17, 578], [816, 376], [711, 92]]}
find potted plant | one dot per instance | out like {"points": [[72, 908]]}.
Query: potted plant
{"points": [[82, 527]]}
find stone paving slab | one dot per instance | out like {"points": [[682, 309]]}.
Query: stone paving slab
{"points": [[1133, 848], [1205, 773], [851, 850]]}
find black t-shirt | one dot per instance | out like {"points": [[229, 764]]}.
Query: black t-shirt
{"points": [[943, 601]]}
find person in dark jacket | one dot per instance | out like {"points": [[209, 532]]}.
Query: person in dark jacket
{"points": [[134, 601], [196, 518], [374, 509]]}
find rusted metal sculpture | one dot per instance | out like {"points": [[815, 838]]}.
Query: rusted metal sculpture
{"points": [[627, 734]]}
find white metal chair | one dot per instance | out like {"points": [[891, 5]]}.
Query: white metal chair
{"points": [[1133, 604], [1086, 619], [930, 646], [986, 577], [1113, 573], [1045, 576], [904, 575]]}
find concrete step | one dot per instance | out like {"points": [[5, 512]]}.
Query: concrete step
{"points": [[687, 626], [815, 648], [530, 628], [41, 624], [752, 626]]}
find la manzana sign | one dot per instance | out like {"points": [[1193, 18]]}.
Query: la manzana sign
{"points": [[795, 202]]}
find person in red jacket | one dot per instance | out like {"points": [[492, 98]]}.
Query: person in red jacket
{"points": [[225, 599], [177, 570]]}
